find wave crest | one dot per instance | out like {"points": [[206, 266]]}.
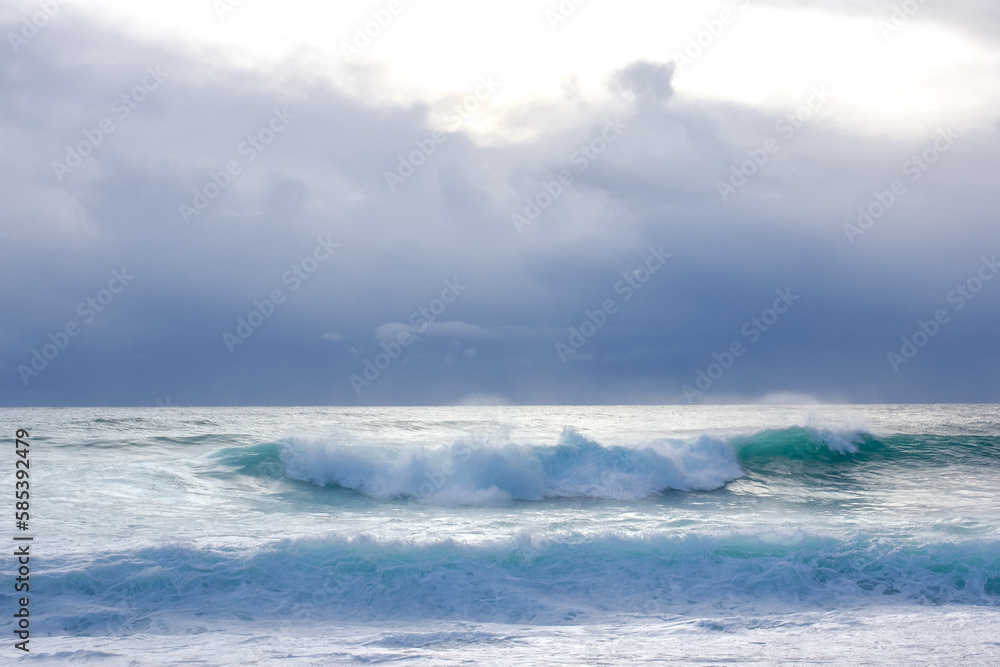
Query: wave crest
{"points": [[802, 442], [532, 579], [474, 471], [477, 473]]}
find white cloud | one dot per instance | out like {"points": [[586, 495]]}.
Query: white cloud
{"points": [[391, 330], [765, 57]]}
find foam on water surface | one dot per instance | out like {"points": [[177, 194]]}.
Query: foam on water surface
{"points": [[329, 536]]}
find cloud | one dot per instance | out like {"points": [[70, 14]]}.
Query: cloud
{"points": [[462, 330], [323, 177], [649, 82]]}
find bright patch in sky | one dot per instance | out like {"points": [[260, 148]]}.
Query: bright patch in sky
{"points": [[909, 80]]}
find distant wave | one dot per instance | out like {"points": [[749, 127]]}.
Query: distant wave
{"points": [[528, 580], [809, 444], [803, 443], [469, 472], [479, 473]]}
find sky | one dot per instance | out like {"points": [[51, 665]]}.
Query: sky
{"points": [[242, 202]]}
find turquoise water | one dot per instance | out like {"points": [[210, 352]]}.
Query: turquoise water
{"points": [[486, 533]]}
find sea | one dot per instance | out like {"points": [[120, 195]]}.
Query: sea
{"points": [[541, 535]]}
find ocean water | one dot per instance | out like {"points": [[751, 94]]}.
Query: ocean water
{"points": [[499, 535]]}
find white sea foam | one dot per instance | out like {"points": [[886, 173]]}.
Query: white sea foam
{"points": [[181, 535], [474, 472]]}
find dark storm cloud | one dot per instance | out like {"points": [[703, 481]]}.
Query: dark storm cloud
{"points": [[276, 169]]}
